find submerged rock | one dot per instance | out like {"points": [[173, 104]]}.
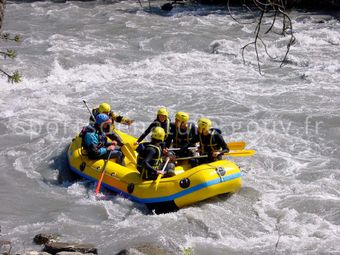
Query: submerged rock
{"points": [[5, 246], [45, 238], [57, 247], [146, 249], [33, 253], [73, 253]]}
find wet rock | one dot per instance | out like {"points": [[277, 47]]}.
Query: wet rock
{"points": [[167, 7], [5, 246], [73, 253], [146, 249], [45, 238], [33, 253], [55, 247]]}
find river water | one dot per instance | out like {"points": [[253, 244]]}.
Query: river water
{"points": [[186, 60]]}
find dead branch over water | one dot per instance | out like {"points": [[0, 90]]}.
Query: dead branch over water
{"points": [[275, 11]]}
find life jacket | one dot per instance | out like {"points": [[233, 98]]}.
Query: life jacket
{"points": [[83, 132], [212, 145], [102, 139], [155, 161], [181, 139]]}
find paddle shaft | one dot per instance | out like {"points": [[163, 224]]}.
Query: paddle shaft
{"points": [[160, 175], [102, 174], [94, 119], [231, 145], [241, 153]]}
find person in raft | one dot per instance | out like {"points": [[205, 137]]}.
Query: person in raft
{"points": [[95, 141], [150, 154], [162, 120], [183, 134], [106, 108], [211, 142]]}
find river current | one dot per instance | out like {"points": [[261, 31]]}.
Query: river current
{"points": [[139, 59]]}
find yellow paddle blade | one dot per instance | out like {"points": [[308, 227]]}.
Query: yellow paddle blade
{"points": [[236, 145], [132, 149], [240, 153], [129, 153], [157, 181]]}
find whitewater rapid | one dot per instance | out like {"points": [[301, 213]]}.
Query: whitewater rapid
{"points": [[189, 60]]}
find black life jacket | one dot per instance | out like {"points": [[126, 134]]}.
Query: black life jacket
{"points": [[155, 161], [210, 145], [180, 139]]}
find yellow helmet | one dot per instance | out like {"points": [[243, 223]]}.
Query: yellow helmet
{"points": [[163, 111], [182, 117], [204, 124], [104, 108], [158, 133]]}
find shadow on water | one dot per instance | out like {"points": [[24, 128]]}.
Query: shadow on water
{"points": [[65, 176]]}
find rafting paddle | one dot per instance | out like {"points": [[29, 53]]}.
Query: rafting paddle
{"points": [[236, 145], [129, 153], [231, 145], [162, 172], [239, 153], [102, 174], [94, 119]]}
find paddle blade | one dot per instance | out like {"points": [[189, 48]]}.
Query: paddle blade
{"points": [[158, 180], [100, 182], [129, 153], [241, 153], [236, 145]]}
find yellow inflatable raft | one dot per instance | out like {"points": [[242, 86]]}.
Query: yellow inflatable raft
{"points": [[188, 186]]}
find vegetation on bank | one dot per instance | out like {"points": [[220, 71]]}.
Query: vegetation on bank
{"points": [[8, 53]]}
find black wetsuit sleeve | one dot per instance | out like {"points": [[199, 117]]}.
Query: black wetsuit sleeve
{"points": [[95, 112], [220, 141], [147, 131], [170, 137], [194, 136], [149, 154], [119, 119]]}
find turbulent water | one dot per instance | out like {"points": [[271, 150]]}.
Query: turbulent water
{"points": [[189, 59]]}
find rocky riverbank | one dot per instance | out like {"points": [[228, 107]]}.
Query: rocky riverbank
{"points": [[51, 246]]}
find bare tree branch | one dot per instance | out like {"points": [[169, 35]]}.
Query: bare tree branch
{"points": [[269, 9]]}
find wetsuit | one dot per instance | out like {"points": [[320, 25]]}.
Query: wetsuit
{"points": [[156, 123], [182, 138], [149, 160], [95, 142], [111, 133], [212, 142]]}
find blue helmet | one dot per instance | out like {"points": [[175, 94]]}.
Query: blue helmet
{"points": [[102, 117]]}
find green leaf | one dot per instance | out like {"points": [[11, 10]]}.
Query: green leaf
{"points": [[15, 77], [11, 53]]}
